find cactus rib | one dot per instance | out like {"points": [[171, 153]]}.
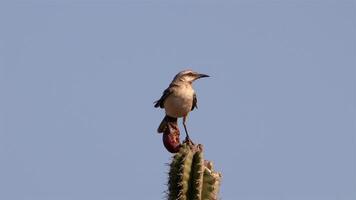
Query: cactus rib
{"points": [[192, 178]]}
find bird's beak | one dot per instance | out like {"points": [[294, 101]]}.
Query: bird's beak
{"points": [[202, 76]]}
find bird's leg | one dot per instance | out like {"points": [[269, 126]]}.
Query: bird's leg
{"points": [[187, 138]]}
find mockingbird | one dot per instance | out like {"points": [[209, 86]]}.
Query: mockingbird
{"points": [[179, 99]]}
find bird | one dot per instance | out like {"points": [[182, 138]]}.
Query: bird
{"points": [[179, 99]]}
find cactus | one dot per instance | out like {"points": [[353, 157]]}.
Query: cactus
{"points": [[190, 177]]}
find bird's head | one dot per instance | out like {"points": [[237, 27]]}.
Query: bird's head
{"points": [[188, 76]]}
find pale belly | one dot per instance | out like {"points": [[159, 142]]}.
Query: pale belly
{"points": [[178, 106]]}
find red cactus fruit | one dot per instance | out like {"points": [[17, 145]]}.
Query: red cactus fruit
{"points": [[171, 138]]}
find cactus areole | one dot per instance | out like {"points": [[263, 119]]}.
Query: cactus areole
{"points": [[190, 177]]}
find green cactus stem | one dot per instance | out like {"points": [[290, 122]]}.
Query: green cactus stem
{"points": [[190, 177]]}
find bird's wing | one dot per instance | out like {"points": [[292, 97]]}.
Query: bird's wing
{"points": [[160, 102], [195, 102]]}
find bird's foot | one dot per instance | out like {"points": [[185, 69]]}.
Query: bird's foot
{"points": [[188, 140]]}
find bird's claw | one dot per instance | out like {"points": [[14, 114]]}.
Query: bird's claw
{"points": [[188, 140]]}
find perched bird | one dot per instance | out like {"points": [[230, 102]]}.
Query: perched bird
{"points": [[179, 99]]}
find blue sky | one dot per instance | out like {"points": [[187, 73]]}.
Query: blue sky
{"points": [[78, 80]]}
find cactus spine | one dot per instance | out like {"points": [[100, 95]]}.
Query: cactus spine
{"points": [[192, 178]]}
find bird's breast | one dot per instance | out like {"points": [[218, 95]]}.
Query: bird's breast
{"points": [[179, 103]]}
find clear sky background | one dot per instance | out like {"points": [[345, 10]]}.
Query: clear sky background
{"points": [[78, 80]]}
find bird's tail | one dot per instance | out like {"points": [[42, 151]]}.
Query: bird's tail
{"points": [[167, 120]]}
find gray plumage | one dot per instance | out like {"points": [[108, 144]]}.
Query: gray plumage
{"points": [[179, 98]]}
